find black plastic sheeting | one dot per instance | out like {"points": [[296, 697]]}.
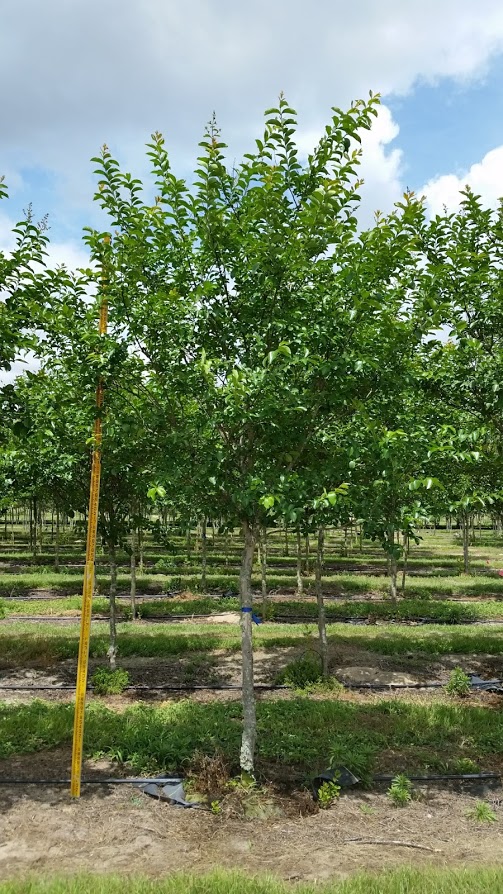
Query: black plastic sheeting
{"points": [[339, 775], [171, 791]]}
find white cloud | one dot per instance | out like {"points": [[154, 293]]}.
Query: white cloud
{"points": [[485, 179], [381, 167], [94, 72]]}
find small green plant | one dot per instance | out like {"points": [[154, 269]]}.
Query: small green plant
{"points": [[109, 682], [164, 566], [462, 765], [400, 791], [301, 673], [366, 810], [459, 683], [328, 794], [482, 813], [175, 583], [244, 783], [216, 808], [3, 610]]}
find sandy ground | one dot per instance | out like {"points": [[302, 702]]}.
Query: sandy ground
{"points": [[119, 829]]}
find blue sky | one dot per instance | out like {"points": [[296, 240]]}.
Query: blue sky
{"points": [[448, 126], [84, 72]]}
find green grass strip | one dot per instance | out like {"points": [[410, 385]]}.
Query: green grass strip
{"points": [[475, 880], [302, 734]]}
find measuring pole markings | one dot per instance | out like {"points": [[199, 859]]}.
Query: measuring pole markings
{"points": [[88, 586]]}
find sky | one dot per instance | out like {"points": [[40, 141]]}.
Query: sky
{"points": [[80, 73]]}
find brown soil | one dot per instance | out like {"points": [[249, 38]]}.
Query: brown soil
{"points": [[348, 663], [118, 829]]}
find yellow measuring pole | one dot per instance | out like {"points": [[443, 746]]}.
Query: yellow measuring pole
{"points": [[87, 592]]}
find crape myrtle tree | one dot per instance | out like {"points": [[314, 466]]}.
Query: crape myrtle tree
{"points": [[44, 449], [23, 285], [464, 276], [26, 289], [240, 292]]}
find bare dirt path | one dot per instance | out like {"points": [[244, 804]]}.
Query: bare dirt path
{"points": [[118, 829]]}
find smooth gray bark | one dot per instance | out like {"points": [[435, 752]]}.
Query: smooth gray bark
{"points": [[322, 627], [132, 591], [203, 555], [247, 755], [112, 649], [300, 583]]}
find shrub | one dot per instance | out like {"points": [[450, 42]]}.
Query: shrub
{"points": [[109, 682], [327, 794], [459, 683], [301, 673]]}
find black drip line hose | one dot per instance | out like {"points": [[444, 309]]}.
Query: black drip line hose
{"points": [[163, 780], [264, 687]]}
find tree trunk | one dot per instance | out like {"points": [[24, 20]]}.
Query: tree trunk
{"points": [[393, 566], [33, 526], [132, 592], [322, 628], [300, 583], [203, 554], [188, 543], [466, 552], [405, 560], [56, 543], [40, 530], [263, 567], [112, 649], [306, 554], [247, 755], [286, 540], [141, 546]]}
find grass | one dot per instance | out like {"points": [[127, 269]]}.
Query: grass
{"points": [[341, 584], [430, 880], [302, 734], [24, 642], [442, 611]]}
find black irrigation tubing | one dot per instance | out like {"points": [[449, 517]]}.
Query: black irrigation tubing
{"points": [[263, 687], [222, 687], [455, 777], [279, 619], [380, 687], [115, 780]]}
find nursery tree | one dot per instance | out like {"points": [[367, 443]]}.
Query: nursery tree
{"points": [[259, 312]]}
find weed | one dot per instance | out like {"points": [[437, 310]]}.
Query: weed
{"points": [[459, 683], [301, 673], [109, 682], [366, 810], [482, 813], [328, 794], [216, 808], [210, 774], [400, 791]]}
